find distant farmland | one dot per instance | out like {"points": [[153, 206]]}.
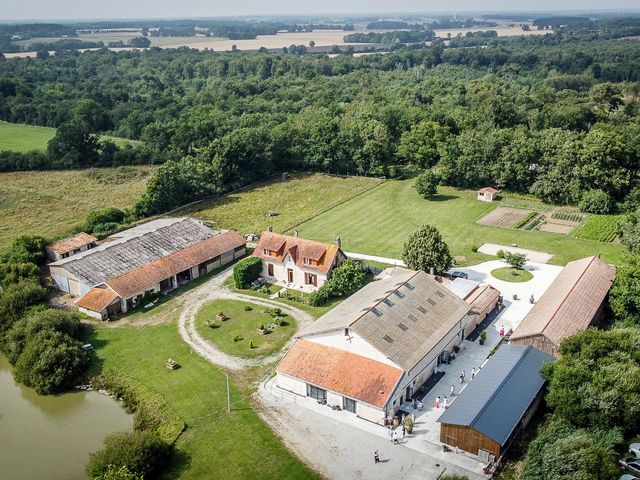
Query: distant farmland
{"points": [[52, 203], [24, 138]]}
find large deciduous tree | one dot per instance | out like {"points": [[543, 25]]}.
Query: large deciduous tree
{"points": [[596, 380], [624, 298], [420, 145], [425, 249]]}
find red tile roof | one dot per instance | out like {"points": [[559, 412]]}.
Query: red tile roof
{"points": [[488, 190], [299, 249], [570, 303], [351, 375], [71, 243], [153, 273], [97, 299]]}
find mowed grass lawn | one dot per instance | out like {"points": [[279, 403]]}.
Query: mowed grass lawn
{"points": [[379, 222], [236, 335], [296, 200], [52, 203], [24, 138], [17, 137], [215, 444]]}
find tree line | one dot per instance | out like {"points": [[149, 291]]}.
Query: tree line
{"points": [[557, 120]]}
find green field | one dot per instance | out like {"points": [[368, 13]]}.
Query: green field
{"points": [[52, 203], [24, 138], [215, 444], [603, 228], [239, 335], [296, 200], [378, 223], [509, 274]]}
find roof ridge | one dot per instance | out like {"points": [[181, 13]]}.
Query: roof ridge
{"points": [[384, 298], [499, 387], [564, 299]]}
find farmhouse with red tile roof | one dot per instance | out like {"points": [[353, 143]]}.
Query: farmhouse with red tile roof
{"points": [[295, 262]]}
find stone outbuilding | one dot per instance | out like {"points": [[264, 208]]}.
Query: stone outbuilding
{"points": [[67, 247]]}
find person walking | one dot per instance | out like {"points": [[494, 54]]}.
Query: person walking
{"points": [[461, 378], [444, 403], [473, 372], [390, 434], [395, 437], [376, 457], [437, 404], [502, 331], [452, 391], [404, 431]]}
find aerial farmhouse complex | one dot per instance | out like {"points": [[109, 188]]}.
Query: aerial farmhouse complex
{"points": [[573, 302], [373, 351], [151, 258], [295, 262]]}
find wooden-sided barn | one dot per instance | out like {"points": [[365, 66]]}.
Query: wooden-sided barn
{"points": [[488, 414]]}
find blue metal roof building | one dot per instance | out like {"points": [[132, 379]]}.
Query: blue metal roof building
{"points": [[490, 410]]}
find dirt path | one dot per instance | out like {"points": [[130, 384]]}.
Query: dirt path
{"points": [[212, 290]]}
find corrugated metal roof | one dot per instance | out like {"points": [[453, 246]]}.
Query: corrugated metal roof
{"points": [[134, 248], [153, 273], [495, 401], [570, 303], [404, 328], [352, 375]]}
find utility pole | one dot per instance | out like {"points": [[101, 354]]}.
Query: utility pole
{"points": [[228, 395]]}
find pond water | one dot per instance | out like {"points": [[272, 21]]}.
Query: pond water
{"points": [[51, 436]]}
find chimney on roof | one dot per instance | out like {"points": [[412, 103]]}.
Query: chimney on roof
{"points": [[270, 228], [295, 233]]}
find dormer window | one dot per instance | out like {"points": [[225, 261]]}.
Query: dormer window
{"points": [[267, 251], [307, 261]]}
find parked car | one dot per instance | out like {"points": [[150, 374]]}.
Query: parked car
{"points": [[634, 449], [628, 476], [457, 274], [632, 464]]}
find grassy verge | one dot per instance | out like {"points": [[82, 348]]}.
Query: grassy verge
{"points": [[238, 444], [301, 197], [239, 335], [378, 223], [509, 274], [52, 203], [602, 228]]}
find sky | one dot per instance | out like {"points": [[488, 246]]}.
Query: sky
{"points": [[111, 9]]}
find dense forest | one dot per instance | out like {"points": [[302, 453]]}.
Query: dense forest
{"points": [[556, 115]]}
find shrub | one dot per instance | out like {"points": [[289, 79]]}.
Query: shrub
{"points": [[319, 297], [246, 271], [500, 253], [118, 473], [426, 184], [142, 453], [16, 298], [408, 423], [50, 362], [248, 308], [596, 201], [104, 221], [346, 279]]}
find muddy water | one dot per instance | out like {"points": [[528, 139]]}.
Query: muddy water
{"points": [[51, 436]]}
